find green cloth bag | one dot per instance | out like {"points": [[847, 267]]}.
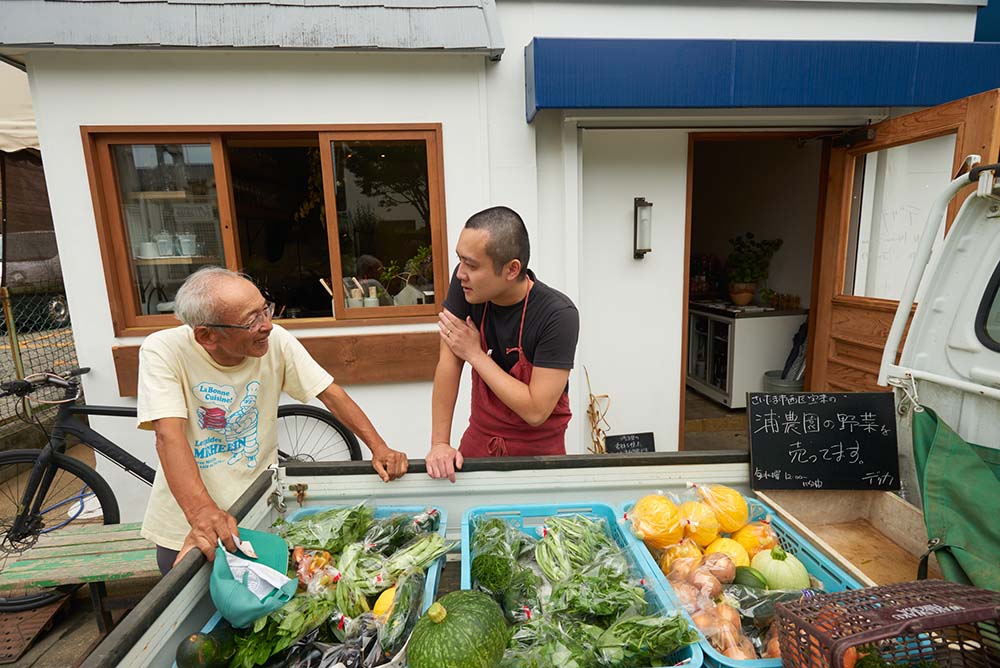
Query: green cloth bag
{"points": [[960, 486]]}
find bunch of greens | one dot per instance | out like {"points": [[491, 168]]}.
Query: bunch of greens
{"points": [[329, 530], [639, 640], [521, 600], [597, 598], [280, 629], [389, 534], [496, 545], [542, 643], [569, 543]]}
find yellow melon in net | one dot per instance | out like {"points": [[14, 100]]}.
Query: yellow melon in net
{"points": [[732, 548], [729, 506], [756, 537], [700, 523], [656, 521]]}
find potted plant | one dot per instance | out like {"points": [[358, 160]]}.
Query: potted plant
{"points": [[747, 265]]}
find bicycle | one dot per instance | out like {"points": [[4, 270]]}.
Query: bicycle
{"points": [[42, 491]]}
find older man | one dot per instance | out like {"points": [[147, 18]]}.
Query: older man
{"points": [[210, 390]]}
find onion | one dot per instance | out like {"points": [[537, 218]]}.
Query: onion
{"points": [[721, 566], [728, 613], [738, 654], [705, 621], [686, 593], [706, 583], [680, 569], [773, 650]]}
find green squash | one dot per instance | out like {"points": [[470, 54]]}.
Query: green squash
{"points": [[465, 629]]}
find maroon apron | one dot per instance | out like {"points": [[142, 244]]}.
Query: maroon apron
{"points": [[494, 429]]}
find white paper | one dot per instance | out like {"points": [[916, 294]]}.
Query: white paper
{"points": [[261, 580]]}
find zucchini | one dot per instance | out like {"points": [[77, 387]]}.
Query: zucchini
{"points": [[405, 611], [750, 577]]}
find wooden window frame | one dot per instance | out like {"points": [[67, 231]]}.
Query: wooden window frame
{"points": [[116, 257]]}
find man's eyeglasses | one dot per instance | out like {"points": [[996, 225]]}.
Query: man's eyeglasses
{"points": [[255, 324]]}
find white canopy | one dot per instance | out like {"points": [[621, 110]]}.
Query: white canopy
{"points": [[17, 118]]}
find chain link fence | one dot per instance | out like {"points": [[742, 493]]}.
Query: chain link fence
{"points": [[35, 333]]}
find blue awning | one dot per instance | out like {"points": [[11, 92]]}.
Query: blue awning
{"points": [[694, 73]]}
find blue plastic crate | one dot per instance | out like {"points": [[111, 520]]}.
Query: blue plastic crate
{"points": [[832, 576], [433, 571], [531, 518]]}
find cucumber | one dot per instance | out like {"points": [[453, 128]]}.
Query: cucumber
{"points": [[749, 577]]}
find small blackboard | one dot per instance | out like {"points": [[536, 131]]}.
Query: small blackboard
{"points": [[820, 440], [626, 443]]}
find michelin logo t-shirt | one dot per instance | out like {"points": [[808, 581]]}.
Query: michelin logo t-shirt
{"points": [[231, 414]]}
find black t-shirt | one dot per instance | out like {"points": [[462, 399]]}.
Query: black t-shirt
{"points": [[551, 325]]}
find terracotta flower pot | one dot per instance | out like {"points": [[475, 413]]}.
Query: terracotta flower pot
{"points": [[741, 294]]}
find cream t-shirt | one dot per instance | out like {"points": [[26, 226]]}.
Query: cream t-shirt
{"points": [[231, 414]]}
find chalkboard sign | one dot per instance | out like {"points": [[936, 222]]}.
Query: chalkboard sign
{"points": [[626, 443], [822, 440]]}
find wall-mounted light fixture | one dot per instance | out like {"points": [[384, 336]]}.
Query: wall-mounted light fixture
{"points": [[642, 240]]}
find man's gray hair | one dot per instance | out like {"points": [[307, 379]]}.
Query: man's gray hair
{"points": [[197, 300]]}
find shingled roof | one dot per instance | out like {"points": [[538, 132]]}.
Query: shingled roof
{"points": [[444, 25]]}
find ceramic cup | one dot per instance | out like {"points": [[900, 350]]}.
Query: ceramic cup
{"points": [[355, 302], [148, 249], [371, 301]]}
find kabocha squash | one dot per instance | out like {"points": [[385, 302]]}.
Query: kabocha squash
{"points": [[464, 629]]}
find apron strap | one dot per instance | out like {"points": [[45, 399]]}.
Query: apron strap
{"points": [[933, 545]]}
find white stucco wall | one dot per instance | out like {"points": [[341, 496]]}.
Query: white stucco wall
{"points": [[491, 155]]}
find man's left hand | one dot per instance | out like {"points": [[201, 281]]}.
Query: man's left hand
{"points": [[461, 337], [388, 463]]}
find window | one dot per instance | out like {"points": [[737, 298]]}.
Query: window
{"points": [[988, 318], [894, 190], [339, 226]]}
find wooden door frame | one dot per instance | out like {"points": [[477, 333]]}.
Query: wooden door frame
{"points": [[965, 118], [733, 136]]}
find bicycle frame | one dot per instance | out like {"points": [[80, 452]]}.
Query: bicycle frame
{"points": [[43, 474]]}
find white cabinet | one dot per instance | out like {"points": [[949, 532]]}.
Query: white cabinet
{"points": [[728, 352]]}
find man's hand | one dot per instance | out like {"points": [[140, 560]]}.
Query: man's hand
{"points": [[208, 526], [461, 337], [443, 460], [388, 463]]}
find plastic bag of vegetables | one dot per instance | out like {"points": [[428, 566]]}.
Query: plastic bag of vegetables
{"points": [[544, 642], [522, 600], [496, 546], [656, 521], [728, 505], [329, 530], [403, 614], [389, 534], [596, 599], [570, 542], [756, 606], [639, 640]]}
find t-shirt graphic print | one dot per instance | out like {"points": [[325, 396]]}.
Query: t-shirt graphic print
{"points": [[232, 436]]}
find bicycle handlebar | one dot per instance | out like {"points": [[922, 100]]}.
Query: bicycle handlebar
{"points": [[23, 388]]}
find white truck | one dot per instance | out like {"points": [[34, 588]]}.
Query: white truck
{"points": [[951, 361]]}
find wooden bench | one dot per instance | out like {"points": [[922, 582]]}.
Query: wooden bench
{"points": [[89, 554]]}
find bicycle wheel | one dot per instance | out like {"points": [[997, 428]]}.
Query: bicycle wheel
{"points": [[311, 434], [77, 496]]}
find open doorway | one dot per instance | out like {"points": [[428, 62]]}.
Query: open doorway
{"points": [[748, 192]]}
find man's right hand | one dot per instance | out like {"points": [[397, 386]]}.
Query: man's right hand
{"points": [[442, 461], [208, 526]]}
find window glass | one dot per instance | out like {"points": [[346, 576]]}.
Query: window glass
{"points": [[991, 325], [281, 223], [384, 222], [894, 190], [171, 212]]}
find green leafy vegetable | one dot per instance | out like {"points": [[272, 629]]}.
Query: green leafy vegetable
{"points": [[638, 640], [596, 598], [569, 543], [329, 530], [280, 629]]}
